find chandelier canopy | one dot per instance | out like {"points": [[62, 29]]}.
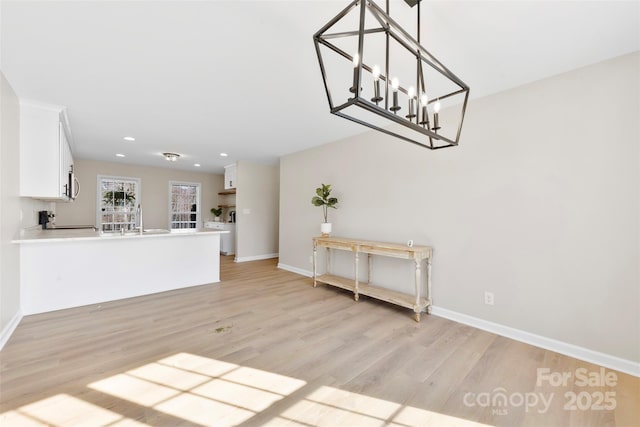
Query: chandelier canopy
{"points": [[171, 157], [376, 74]]}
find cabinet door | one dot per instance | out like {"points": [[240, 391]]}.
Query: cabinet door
{"points": [[45, 153], [39, 152], [230, 177], [65, 163]]}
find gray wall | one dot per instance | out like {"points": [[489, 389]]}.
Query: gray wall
{"points": [[257, 203], [15, 212], [539, 205], [10, 204], [155, 192]]}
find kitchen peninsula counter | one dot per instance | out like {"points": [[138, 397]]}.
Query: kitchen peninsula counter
{"points": [[66, 235], [70, 268]]}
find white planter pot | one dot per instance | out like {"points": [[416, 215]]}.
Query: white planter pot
{"points": [[325, 228], [217, 219]]}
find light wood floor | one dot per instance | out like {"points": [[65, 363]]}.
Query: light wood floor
{"points": [[263, 347]]}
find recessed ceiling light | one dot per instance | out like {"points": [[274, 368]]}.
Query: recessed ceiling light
{"points": [[120, 155], [223, 154], [196, 165], [129, 138]]}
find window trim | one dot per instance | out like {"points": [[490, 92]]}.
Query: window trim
{"points": [[99, 179], [198, 186]]}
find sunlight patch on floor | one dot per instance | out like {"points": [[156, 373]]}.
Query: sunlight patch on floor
{"points": [[198, 364], [169, 376], [59, 410], [411, 416], [142, 392], [190, 388], [204, 411], [200, 390], [329, 406], [263, 380]]}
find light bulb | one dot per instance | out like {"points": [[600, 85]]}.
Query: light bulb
{"points": [[436, 107], [395, 84], [356, 73], [376, 72], [411, 93], [424, 101]]}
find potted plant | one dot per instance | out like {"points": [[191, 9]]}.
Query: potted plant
{"points": [[118, 198], [216, 213], [322, 199]]}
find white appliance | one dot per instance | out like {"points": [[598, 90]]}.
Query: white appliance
{"points": [[227, 240]]}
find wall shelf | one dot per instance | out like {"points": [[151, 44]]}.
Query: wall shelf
{"points": [[227, 192]]}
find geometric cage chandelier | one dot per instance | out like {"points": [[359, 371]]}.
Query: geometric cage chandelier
{"points": [[376, 74]]}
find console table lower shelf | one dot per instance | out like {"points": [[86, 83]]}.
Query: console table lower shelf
{"points": [[417, 254], [377, 292]]}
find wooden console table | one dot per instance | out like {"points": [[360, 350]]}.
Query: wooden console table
{"points": [[415, 253]]}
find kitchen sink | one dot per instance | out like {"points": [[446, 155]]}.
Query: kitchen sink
{"points": [[133, 232], [156, 231]]}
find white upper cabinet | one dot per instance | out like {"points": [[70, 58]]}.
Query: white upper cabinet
{"points": [[230, 176], [46, 160]]}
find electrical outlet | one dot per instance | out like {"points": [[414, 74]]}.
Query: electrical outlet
{"points": [[488, 298]]}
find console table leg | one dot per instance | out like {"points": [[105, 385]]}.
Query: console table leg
{"points": [[417, 317], [356, 257], [429, 303], [417, 308], [315, 260]]}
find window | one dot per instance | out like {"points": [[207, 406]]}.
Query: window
{"points": [[184, 205], [118, 200]]}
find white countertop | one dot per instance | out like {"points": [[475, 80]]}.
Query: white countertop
{"points": [[67, 235]]}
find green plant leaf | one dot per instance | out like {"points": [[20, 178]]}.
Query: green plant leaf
{"points": [[323, 199]]}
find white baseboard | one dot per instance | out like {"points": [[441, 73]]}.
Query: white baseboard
{"points": [[256, 257], [8, 330], [295, 270], [613, 362]]}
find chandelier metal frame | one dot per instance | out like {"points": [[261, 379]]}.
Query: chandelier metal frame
{"points": [[425, 127]]}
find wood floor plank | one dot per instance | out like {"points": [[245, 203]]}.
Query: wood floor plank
{"points": [[266, 348]]}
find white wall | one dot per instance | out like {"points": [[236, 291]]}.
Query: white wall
{"points": [[155, 192], [9, 209], [539, 205], [257, 202], [15, 212]]}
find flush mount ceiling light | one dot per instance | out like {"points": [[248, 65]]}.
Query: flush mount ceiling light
{"points": [[378, 75], [129, 138], [172, 157]]}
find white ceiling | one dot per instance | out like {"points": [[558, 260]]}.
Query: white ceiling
{"points": [[241, 77]]}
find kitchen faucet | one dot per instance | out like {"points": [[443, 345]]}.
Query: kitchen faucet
{"points": [[139, 218]]}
